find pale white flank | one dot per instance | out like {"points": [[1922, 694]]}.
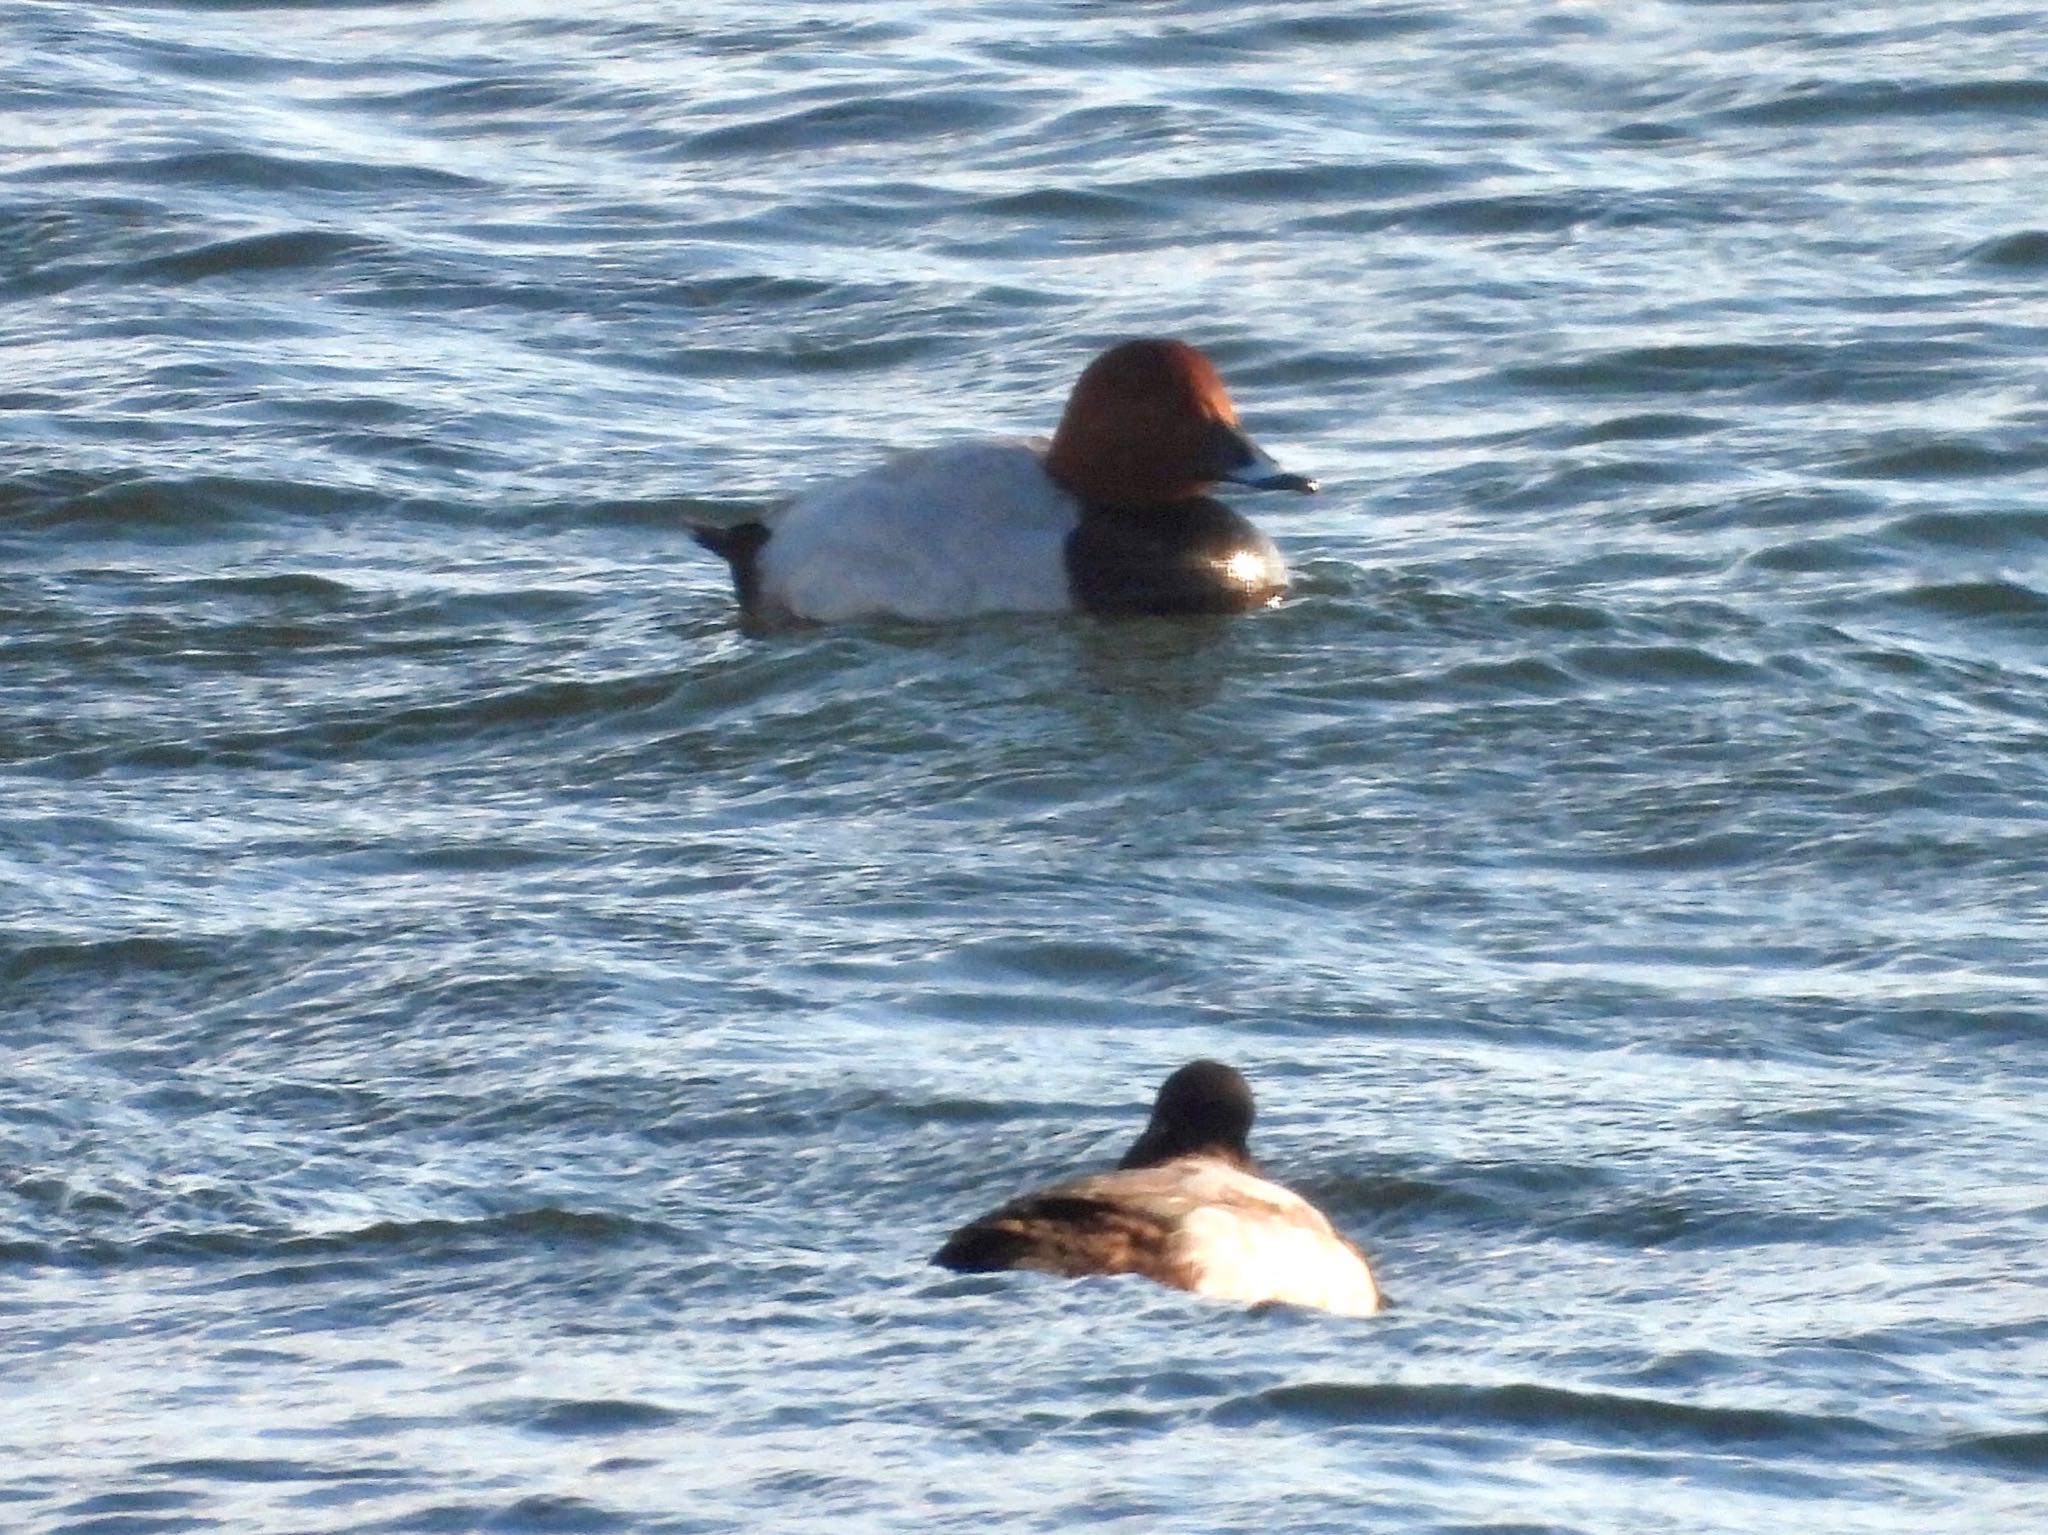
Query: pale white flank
{"points": [[1237, 1236], [951, 532]]}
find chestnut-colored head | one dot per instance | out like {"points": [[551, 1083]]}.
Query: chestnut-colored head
{"points": [[1150, 423]]}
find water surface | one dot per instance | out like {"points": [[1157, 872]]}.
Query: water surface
{"points": [[490, 1046]]}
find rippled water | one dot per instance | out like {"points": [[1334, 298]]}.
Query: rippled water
{"points": [[490, 1046]]}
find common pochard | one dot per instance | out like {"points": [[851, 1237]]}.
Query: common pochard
{"points": [[1186, 1207], [1112, 515]]}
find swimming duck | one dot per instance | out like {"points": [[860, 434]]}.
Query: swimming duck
{"points": [[1186, 1206], [1112, 515]]}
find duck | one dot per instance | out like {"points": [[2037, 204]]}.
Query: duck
{"points": [[1187, 1207], [1111, 515]]}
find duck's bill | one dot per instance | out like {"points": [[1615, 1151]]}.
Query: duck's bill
{"points": [[1277, 479], [1243, 462]]}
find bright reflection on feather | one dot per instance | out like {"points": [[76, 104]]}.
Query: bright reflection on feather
{"points": [[1246, 569]]}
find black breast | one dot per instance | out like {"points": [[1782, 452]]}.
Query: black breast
{"points": [[1193, 556]]}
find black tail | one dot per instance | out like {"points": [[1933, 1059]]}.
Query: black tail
{"points": [[740, 546], [983, 1249]]}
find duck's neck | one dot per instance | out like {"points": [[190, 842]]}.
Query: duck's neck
{"points": [[1159, 1145]]}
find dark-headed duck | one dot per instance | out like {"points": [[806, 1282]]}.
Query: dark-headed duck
{"points": [[1113, 515], [1187, 1207]]}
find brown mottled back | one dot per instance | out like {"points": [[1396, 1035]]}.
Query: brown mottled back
{"points": [[1065, 1235]]}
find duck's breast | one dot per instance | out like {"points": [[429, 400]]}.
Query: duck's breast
{"points": [[1195, 556], [951, 532]]}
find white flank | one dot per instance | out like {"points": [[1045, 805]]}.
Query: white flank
{"points": [[1241, 1237], [950, 532], [1251, 1240]]}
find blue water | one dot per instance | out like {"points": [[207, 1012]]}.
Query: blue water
{"points": [[489, 1046]]}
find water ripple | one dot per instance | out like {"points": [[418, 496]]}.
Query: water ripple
{"points": [[1592, 1416]]}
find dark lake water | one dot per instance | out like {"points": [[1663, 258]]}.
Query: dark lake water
{"points": [[489, 1046]]}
